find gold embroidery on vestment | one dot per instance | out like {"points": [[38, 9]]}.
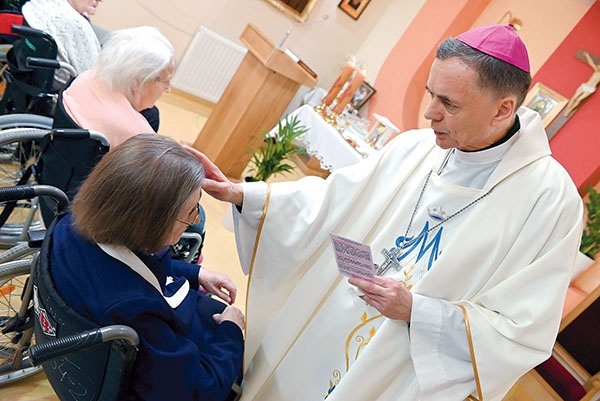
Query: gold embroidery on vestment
{"points": [[407, 276], [361, 339]]}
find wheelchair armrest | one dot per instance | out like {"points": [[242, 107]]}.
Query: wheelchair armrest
{"points": [[63, 346], [31, 191]]}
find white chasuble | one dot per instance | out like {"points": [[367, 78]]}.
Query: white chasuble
{"points": [[506, 261]]}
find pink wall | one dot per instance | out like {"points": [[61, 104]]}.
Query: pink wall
{"points": [[405, 71], [577, 145]]}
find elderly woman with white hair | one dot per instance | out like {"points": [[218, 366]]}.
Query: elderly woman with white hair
{"points": [[133, 69]]}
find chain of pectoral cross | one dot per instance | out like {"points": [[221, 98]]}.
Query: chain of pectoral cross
{"points": [[391, 257]]}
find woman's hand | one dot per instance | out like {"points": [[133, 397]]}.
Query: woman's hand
{"points": [[232, 314], [216, 184], [386, 295], [218, 284]]}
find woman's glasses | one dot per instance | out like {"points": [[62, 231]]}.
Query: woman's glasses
{"points": [[187, 223]]}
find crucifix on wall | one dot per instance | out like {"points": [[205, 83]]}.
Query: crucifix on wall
{"points": [[584, 91]]}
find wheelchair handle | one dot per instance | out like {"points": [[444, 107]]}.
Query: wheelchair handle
{"points": [[28, 31], [42, 62], [38, 62], [41, 353], [18, 192], [79, 133]]}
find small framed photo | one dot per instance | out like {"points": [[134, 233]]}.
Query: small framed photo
{"points": [[298, 9], [354, 8], [361, 96], [547, 102]]}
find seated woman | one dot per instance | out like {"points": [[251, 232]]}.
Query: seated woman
{"points": [[133, 70], [66, 21], [110, 261]]}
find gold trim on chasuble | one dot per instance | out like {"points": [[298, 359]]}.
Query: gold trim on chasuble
{"points": [[256, 240], [473, 360], [259, 231]]}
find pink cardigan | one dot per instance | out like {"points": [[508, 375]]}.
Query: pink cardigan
{"points": [[92, 105]]}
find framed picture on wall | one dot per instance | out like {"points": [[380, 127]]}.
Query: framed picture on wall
{"points": [[354, 8], [547, 102], [298, 9], [362, 95]]}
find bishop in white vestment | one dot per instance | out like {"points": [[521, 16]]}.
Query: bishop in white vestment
{"points": [[483, 241], [508, 266]]}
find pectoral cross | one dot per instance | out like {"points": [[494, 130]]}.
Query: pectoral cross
{"points": [[391, 259]]}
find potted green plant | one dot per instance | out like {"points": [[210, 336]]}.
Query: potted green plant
{"points": [[275, 156], [590, 240]]}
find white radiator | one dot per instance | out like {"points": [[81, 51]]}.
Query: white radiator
{"points": [[208, 65]]}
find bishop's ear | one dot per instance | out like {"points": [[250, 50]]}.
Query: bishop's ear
{"points": [[506, 109]]}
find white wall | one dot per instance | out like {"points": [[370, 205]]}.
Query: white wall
{"points": [[322, 44]]}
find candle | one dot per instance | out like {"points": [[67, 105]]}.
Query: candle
{"points": [[358, 79], [339, 83]]}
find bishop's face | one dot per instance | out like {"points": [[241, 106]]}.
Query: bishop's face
{"points": [[461, 113]]}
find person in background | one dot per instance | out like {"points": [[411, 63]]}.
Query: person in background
{"points": [[474, 229], [111, 262], [79, 42], [67, 22], [132, 71]]}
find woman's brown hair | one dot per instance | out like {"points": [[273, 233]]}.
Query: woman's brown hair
{"points": [[134, 194]]}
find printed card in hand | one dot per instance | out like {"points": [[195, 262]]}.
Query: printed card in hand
{"points": [[353, 258]]}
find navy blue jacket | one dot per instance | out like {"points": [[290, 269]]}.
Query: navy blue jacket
{"points": [[183, 354]]}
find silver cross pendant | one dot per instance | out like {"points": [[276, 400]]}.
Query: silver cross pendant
{"points": [[391, 259]]}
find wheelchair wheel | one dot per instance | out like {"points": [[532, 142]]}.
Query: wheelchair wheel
{"points": [[13, 279], [17, 252], [19, 151]]}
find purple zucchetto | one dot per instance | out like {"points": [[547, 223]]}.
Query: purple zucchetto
{"points": [[499, 41]]}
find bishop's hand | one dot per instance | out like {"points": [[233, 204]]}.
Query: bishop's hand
{"points": [[216, 184], [386, 295]]}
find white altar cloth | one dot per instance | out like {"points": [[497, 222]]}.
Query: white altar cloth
{"points": [[326, 143]]}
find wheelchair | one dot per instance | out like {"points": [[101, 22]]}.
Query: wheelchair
{"points": [[19, 151], [30, 86], [92, 362], [26, 142], [16, 324], [66, 342]]}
